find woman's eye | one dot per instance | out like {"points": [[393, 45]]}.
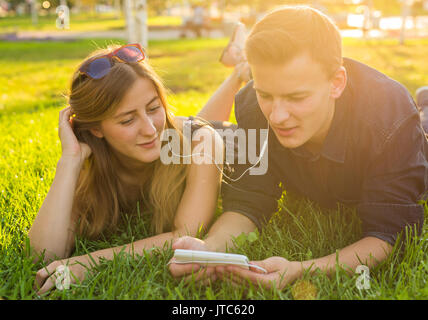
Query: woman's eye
{"points": [[152, 109], [127, 121]]}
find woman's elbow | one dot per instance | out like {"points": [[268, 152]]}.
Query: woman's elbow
{"points": [[42, 253]]}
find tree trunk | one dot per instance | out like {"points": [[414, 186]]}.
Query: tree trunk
{"points": [[130, 23]]}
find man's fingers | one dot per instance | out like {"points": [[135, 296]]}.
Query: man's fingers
{"points": [[248, 275], [261, 264]]}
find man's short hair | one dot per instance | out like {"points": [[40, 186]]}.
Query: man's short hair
{"points": [[292, 30]]}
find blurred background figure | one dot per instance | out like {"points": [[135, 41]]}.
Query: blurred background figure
{"points": [[197, 22]]}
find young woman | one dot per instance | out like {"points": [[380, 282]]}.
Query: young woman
{"points": [[111, 158]]}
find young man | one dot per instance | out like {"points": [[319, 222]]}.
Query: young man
{"points": [[340, 131]]}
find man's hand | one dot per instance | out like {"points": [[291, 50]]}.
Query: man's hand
{"points": [[191, 270], [280, 273]]}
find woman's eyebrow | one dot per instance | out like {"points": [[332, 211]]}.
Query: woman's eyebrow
{"points": [[132, 111]]}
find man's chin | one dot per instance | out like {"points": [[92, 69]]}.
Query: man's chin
{"points": [[289, 143]]}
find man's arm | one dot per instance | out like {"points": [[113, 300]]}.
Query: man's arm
{"points": [[228, 226], [368, 251], [219, 106]]}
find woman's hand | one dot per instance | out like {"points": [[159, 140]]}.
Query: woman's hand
{"points": [[191, 270], [71, 147], [46, 277], [280, 272]]}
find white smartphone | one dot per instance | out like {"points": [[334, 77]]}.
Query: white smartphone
{"points": [[209, 258]]}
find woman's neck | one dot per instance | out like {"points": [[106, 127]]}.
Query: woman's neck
{"points": [[131, 172]]}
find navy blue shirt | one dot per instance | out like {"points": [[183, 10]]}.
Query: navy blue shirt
{"points": [[374, 157]]}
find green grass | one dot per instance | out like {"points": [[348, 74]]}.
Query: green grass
{"points": [[80, 22], [34, 78]]}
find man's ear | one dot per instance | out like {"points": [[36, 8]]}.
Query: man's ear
{"points": [[97, 132], [338, 82]]}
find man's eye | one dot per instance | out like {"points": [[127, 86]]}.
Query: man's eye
{"points": [[265, 96], [296, 99]]}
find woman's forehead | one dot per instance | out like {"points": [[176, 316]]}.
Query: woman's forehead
{"points": [[142, 92]]}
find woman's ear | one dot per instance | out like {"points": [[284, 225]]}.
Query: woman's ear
{"points": [[338, 82], [97, 132]]}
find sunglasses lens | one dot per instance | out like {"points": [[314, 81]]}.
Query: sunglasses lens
{"points": [[130, 54], [98, 68]]}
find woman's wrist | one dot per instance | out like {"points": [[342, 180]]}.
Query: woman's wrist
{"points": [[70, 163]]}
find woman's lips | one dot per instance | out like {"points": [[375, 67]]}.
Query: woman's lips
{"points": [[148, 145], [286, 132]]}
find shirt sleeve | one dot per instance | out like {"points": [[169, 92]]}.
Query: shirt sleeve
{"points": [[255, 196], [396, 181]]}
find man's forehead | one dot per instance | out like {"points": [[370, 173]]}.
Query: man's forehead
{"points": [[297, 75]]}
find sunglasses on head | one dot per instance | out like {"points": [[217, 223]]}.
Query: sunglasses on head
{"points": [[98, 67]]}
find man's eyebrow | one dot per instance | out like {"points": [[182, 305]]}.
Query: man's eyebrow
{"points": [[291, 94], [132, 111]]}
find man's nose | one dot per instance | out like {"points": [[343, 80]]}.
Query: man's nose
{"points": [[280, 112]]}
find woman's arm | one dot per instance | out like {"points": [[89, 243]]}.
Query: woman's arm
{"points": [[52, 230], [195, 211], [198, 203], [220, 104]]}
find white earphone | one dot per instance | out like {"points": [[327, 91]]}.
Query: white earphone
{"points": [[262, 151]]}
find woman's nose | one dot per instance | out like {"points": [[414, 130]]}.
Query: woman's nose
{"points": [[147, 127]]}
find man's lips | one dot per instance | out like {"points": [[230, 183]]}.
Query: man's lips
{"points": [[285, 132]]}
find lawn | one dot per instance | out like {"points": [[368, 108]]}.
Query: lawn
{"points": [[34, 79], [79, 22]]}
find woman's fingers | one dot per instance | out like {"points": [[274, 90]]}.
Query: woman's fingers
{"points": [[204, 273], [71, 147], [48, 285], [41, 276], [44, 276], [65, 115], [180, 270]]}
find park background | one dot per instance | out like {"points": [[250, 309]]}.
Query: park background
{"points": [[39, 50]]}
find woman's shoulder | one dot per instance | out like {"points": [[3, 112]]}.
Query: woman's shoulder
{"points": [[194, 123], [198, 128]]}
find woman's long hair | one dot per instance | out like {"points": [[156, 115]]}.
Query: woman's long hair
{"points": [[100, 194]]}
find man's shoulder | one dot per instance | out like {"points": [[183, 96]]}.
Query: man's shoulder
{"points": [[380, 104], [247, 110]]}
